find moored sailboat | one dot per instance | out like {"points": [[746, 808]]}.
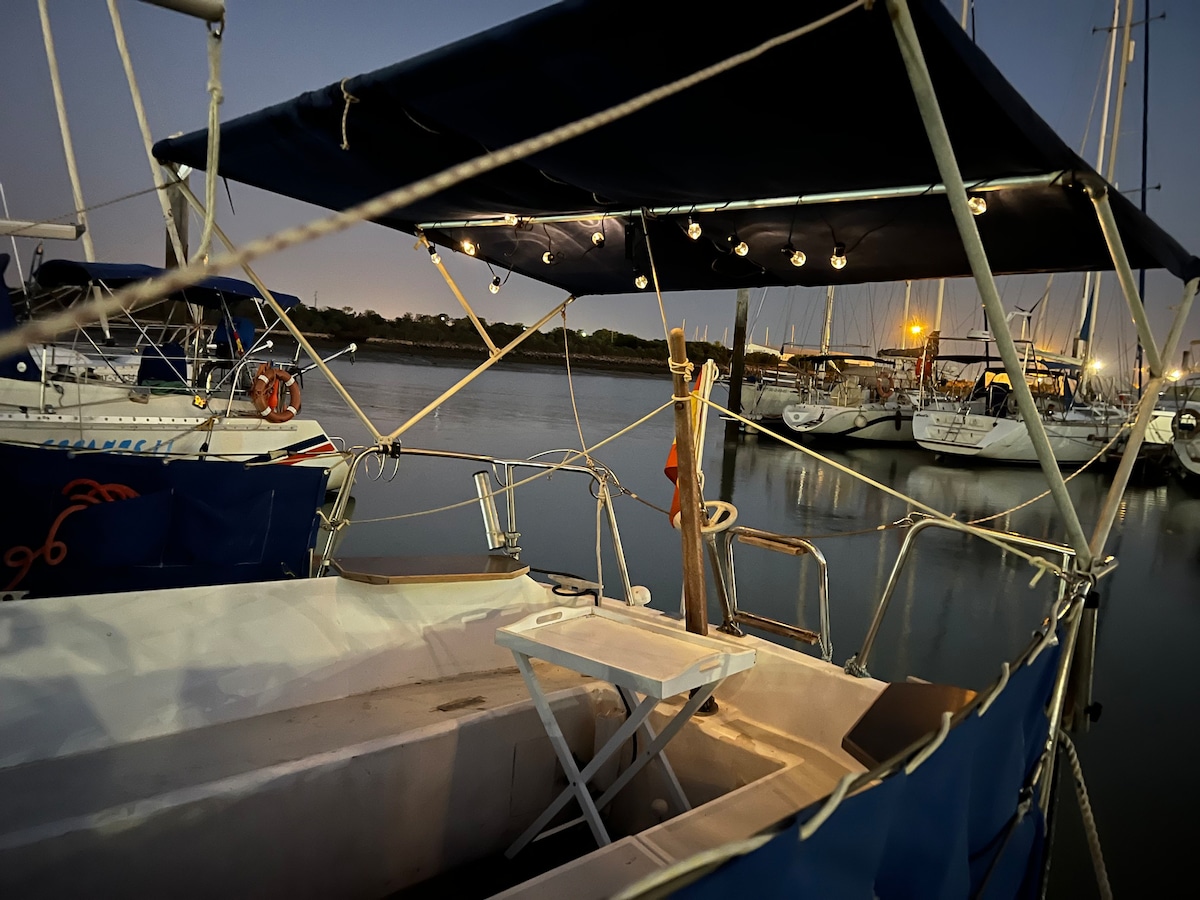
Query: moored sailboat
{"points": [[365, 732]]}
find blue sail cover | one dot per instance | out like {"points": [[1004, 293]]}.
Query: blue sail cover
{"points": [[87, 523], [19, 365], [830, 111], [947, 831], [210, 293]]}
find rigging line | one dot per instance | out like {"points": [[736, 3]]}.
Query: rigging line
{"points": [[216, 98], [571, 390], [662, 310], [144, 126], [565, 461], [1103, 450], [1039, 562], [68, 215], [135, 296]]}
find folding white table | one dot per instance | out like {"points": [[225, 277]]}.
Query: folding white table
{"points": [[637, 656]]}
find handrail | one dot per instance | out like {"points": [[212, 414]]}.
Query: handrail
{"points": [[857, 664], [726, 580], [599, 474]]}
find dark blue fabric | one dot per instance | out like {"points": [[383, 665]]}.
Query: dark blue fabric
{"points": [[422, 115], [191, 522], [839, 861], [210, 292], [9, 366], [163, 364], [242, 329], [948, 830]]}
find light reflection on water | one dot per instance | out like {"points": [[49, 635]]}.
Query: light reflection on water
{"points": [[959, 608]]}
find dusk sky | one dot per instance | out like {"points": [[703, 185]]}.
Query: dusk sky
{"points": [[276, 49]]}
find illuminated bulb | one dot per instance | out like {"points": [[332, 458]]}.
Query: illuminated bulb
{"points": [[977, 205], [548, 257], [693, 229], [434, 257], [469, 248], [916, 329], [1175, 375], [494, 287], [510, 219], [741, 248], [1095, 365], [796, 257], [640, 281], [838, 260], [598, 238]]}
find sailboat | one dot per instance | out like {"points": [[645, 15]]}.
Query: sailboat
{"points": [[417, 718]]}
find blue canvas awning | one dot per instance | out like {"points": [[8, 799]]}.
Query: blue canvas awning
{"points": [[210, 292], [829, 112]]}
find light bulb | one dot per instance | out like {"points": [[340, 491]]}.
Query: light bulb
{"points": [[693, 229], [469, 248], [548, 258], [915, 329], [510, 219], [598, 238], [494, 287], [434, 257], [838, 260], [977, 205], [796, 257], [640, 281], [741, 248]]}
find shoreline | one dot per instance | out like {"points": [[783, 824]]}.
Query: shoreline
{"points": [[375, 349]]}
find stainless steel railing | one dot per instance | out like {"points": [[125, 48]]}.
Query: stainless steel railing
{"points": [[726, 580], [857, 664]]}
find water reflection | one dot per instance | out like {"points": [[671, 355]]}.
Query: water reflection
{"points": [[958, 610]]}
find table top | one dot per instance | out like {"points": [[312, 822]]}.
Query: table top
{"points": [[654, 659]]}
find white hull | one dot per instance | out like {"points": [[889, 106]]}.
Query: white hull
{"points": [[116, 418], [1187, 452], [869, 422], [330, 738], [765, 400], [1007, 440]]}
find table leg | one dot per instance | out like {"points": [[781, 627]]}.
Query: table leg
{"points": [[673, 785], [656, 746], [577, 780]]}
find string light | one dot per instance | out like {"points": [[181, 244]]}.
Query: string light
{"points": [[434, 257], [741, 248], [693, 229], [977, 205], [640, 280], [597, 238], [548, 258], [510, 219], [838, 260], [494, 286], [796, 257], [469, 248]]}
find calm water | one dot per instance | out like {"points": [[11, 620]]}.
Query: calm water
{"points": [[960, 608]]}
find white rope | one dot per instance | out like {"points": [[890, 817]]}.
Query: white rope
{"points": [[662, 310], [1089, 820], [136, 296], [144, 126], [1099, 453], [583, 447], [347, 99], [216, 97], [1041, 563]]}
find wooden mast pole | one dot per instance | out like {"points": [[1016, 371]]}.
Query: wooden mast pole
{"points": [[695, 603]]}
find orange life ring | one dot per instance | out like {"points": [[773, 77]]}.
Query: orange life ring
{"points": [[265, 394], [1178, 429], [884, 385]]}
